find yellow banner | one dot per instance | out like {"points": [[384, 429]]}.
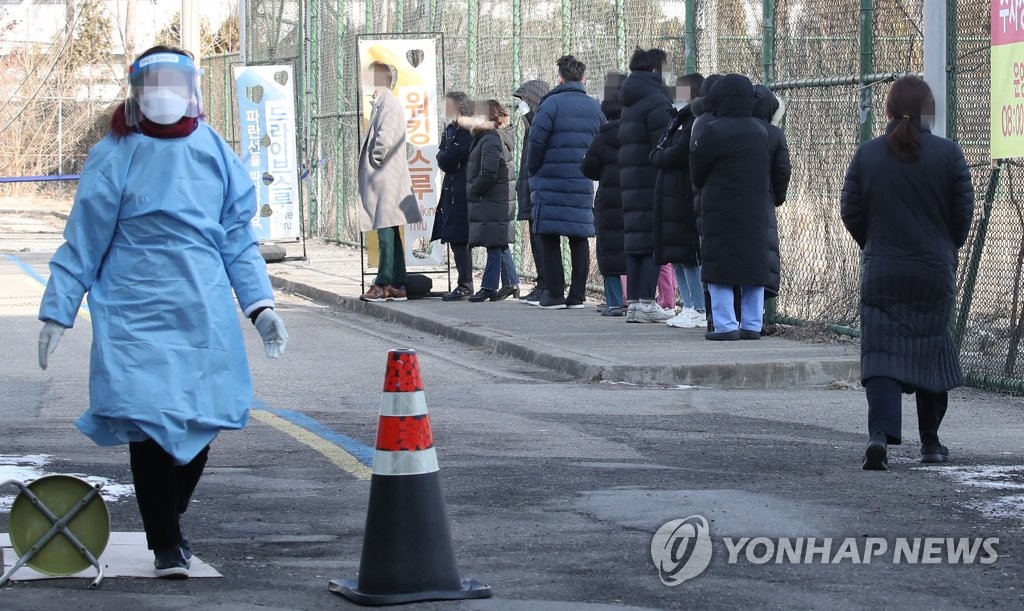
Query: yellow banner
{"points": [[1008, 101]]}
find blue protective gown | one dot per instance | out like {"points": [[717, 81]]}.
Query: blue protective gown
{"points": [[158, 236]]}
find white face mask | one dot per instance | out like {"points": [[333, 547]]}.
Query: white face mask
{"points": [[163, 106], [524, 108], [679, 105]]}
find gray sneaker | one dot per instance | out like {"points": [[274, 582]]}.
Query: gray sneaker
{"points": [[631, 312], [652, 313]]}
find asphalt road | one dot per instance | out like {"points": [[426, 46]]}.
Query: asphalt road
{"points": [[554, 488]]}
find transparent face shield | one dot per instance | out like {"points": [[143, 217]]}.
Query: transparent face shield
{"points": [[164, 89]]}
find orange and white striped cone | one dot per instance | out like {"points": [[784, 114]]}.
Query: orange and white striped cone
{"points": [[407, 548]]}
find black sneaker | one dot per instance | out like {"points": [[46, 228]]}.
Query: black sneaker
{"points": [[934, 454], [574, 305], [458, 294], [547, 302], [727, 336], [745, 334], [170, 563], [875, 456], [533, 298], [186, 549]]}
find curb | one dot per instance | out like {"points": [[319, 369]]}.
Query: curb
{"points": [[736, 376]]}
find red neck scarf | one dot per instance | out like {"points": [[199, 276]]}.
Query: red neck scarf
{"points": [[182, 128]]}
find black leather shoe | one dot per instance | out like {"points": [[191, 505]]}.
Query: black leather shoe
{"points": [[458, 294], [728, 336], [505, 292], [934, 454], [483, 295], [875, 456], [744, 334]]}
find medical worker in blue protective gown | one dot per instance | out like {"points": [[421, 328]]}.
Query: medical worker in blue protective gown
{"points": [[159, 235]]}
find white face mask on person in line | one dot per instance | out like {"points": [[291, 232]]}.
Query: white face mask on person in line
{"points": [[163, 106], [524, 108]]}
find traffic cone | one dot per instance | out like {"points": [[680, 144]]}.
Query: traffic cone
{"points": [[407, 547]]}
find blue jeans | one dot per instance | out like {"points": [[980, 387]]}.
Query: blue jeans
{"points": [[613, 291], [690, 287], [499, 263], [723, 308]]}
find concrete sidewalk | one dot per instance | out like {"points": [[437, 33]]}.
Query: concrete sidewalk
{"points": [[579, 343]]}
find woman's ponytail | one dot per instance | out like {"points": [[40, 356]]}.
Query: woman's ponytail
{"points": [[909, 98]]}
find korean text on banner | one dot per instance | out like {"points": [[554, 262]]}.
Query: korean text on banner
{"points": [[266, 113], [1007, 79], [418, 91]]}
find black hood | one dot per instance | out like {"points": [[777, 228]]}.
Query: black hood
{"points": [[639, 85], [733, 96], [700, 106], [532, 92], [765, 103]]}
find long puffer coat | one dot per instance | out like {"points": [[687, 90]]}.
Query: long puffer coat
{"points": [[490, 185], [646, 113], [910, 219], [563, 198], [730, 164], [531, 92], [602, 164], [675, 222], [704, 115], [770, 111], [451, 223]]}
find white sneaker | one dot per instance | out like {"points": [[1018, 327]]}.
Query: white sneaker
{"points": [[688, 319], [652, 313], [631, 312]]}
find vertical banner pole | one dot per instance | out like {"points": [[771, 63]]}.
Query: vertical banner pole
{"points": [[935, 60]]}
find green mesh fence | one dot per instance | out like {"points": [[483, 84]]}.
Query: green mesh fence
{"points": [[831, 63]]}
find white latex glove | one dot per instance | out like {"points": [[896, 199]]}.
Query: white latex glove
{"points": [[49, 337], [271, 329]]}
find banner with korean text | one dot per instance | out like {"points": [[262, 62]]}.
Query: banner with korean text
{"points": [[1007, 79], [266, 114], [420, 92]]}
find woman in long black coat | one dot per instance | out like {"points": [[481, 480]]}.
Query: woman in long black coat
{"points": [[490, 190], [770, 111], [451, 223], [601, 164], [908, 202], [646, 113], [676, 240], [729, 163]]}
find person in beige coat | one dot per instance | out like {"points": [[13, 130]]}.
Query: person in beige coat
{"points": [[384, 185]]}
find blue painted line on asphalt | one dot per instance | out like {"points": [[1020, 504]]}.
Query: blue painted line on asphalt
{"points": [[32, 273], [362, 452], [28, 269]]}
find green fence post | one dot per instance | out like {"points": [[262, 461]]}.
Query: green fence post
{"points": [[768, 40], [339, 162], [690, 38], [517, 71], [771, 305], [302, 109], [974, 263], [399, 15], [620, 34], [368, 17], [566, 27], [867, 61], [951, 63], [314, 152], [471, 42]]}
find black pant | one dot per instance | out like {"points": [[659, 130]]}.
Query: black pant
{"points": [[391, 264], [885, 410], [641, 277], [463, 264], [554, 272], [163, 490], [537, 250]]}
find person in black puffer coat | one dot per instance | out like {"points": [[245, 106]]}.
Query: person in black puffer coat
{"points": [[490, 190], [769, 110], [676, 240], [730, 164], [646, 113], [602, 165], [451, 225], [529, 96], [908, 201]]}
